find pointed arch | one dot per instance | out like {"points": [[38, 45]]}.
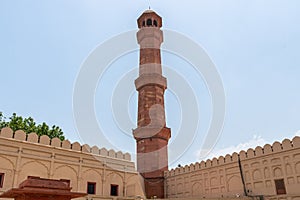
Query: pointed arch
{"points": [[149, 22], [35, 161], [234, 184], [114, 178], [8, 161], [257, 174], [67, 166], [92, 170], [67, 172], [133, 185], [277, 172], [7, 167], [33, 168], [196, 189], [92, 176], [130, 177], [116, 173]]}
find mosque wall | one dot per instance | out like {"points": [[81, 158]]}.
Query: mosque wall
{"points": [[24, 155], [272, 171]]}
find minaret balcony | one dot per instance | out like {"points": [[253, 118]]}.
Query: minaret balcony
{"points": [[151, 79]]}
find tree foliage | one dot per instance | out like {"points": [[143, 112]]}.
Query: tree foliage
{"points": [[28, 125]]}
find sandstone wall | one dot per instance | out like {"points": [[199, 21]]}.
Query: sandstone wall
{"points": [[24, 155], [222, 177]]}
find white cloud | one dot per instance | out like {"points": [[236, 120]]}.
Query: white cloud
{"points": [[253, 143]]}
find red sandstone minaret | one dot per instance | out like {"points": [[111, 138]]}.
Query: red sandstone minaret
{"points": [[152, 135]]}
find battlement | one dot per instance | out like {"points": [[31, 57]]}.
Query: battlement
{"points": [[57, 143], [267, 149]]}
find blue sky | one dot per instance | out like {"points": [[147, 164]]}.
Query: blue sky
{"points": [[254, 45]]}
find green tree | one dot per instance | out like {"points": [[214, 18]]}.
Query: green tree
{"points": [[2, 121], [28, 125]]}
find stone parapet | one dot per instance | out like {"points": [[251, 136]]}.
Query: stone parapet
{"points": [[264, 171], [267, 149], [67, 145]]}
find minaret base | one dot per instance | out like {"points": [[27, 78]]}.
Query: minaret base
{"points": [[154, 187]]}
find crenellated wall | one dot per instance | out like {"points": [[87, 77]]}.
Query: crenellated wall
{"points": [[221, 177], [24, 155], [56, 142]]}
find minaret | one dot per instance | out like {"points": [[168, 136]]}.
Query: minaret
{"points": [[151, 135]]}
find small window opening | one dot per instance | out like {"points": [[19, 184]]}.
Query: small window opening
{"points": [[144, 23], [155, 23], [1, 179], [280, 186], [149, 22], [91, 188], [114, 190]]}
